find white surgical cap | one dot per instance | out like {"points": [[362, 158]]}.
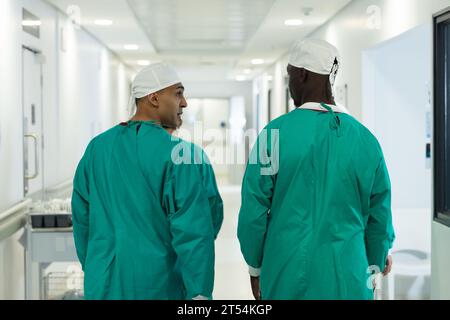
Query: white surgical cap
{"points": [[151, 79], [317, 56]]}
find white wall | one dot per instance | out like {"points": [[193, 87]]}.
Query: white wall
{"points": [[12, 268], [93, 95], [396, 97], [11, 167], [397, 78], [440, 263], [85, 92]]}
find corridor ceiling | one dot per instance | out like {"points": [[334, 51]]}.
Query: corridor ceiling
{"points": [[212, 40]]}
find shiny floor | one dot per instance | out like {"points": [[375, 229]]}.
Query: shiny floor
{"points": [[232, 280]]}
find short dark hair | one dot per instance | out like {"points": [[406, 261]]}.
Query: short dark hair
{"points": [[138, 100]]}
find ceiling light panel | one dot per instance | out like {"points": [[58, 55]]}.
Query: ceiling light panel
{"points": [[131, 47], [103, 22], [293, 22], [143, 63]]}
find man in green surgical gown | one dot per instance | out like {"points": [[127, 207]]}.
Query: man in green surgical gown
{"points": [[142, 222], [315, 221]]}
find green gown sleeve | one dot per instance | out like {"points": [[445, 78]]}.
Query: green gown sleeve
{"points": [[214, 198], [379, 235], [257, 192], [80, 206], [191, 229]]}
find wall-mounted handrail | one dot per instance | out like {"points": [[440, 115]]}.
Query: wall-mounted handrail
{"points": [[13, 219], [64, 185]]}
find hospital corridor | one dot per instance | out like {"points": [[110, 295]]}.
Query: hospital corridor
{"points": [[224, 150]]}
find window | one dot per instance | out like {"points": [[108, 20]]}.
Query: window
{"points": [[442, 118]]}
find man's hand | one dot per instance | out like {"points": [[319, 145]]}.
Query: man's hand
{"points": [[387, 270], [254, 281], [388, 267]]}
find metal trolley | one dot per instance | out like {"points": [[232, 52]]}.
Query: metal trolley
{"points": [[63, 286], [44, 246]]}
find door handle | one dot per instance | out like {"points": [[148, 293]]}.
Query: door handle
{"points": [[36, 158]]}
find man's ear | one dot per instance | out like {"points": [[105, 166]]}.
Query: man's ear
{"points": [[153, 99]]}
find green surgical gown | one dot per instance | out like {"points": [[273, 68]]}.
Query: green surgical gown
{"points": [[317, 216], [143, 226], [210, 185]]}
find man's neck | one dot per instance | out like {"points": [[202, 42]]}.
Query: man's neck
{"points": [[145, 117], [317, 94], [330, 103], [318, 99]]}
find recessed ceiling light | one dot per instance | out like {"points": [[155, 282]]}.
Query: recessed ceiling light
{"points": [[293, 22], [247, 71], [258, 61], [103, 22], [31, 23], [143, 63], [241, 78], [131, 47]]}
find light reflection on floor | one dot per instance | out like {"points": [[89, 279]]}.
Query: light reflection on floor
{"points": [[232, 280]]}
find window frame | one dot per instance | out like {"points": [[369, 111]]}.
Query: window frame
{"points": [[441, 143]]}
